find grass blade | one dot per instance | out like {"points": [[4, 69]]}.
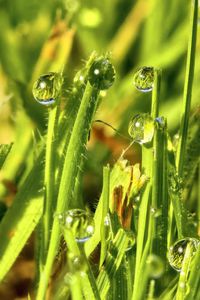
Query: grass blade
{"points": [[181, 152]]}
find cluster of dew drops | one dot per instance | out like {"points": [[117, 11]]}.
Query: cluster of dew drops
{"points": [[101, 75]]}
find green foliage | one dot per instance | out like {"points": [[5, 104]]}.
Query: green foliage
{"points": [[57, 153]]}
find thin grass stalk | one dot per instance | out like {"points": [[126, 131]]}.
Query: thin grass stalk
{"points": [[49, 180], [187, 94], [105, 210]]}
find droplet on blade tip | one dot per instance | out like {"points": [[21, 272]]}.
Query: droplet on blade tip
{"points": [[101, 74], [141, 128], [79, 221], [144, 79], [47, 87]]}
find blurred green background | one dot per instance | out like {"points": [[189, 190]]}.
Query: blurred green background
{"points": [[40, 36]]}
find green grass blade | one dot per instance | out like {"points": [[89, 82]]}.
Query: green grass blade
{"points": [[49, 180], [181, 153], [20, 220], [113, 262], [186, 265], [105, 209], [4, 151], [73, 158], [194, 278]]}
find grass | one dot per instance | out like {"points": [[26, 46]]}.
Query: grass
{"points": [[61, 159]]}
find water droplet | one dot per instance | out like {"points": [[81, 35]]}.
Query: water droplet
{"points": [[107, 221], [80, 78], [160, 121], [141, 128], [101, 74], [144, 78], [46, 88], [175, 141], [77, 263], [156, 266], [177, 252], [71, 5], [156, 212], [107, 224], [68, 279], [131, 241], [80, 222], [137, 198]]}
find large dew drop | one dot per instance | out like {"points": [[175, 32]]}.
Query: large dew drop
{"points": [[141, 128], [46, 88], [101, 74], [177, 252], [144, 78], [80, 222]]}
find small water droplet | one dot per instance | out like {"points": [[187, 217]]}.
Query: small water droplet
{"points": [[137, 199], [177, 252], [182, 285], [131, 241], [46, 88], [175, 141], [76, 263], [80, 78], [79, 221], [107, 224], [141, 128], [156, 266], [68, 279], [160, 121], [101, 74], [107, 221], [144, 78], [156, 212]]}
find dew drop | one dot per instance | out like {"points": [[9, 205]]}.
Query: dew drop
{"points": [[46, 88], [143, 79], [80, 78], [101, 74], [156, 266], [177, 252], [155, 212], [131, 241], [80, 222], [141, 128], [76, 263], [160, 121], [68, 279]]}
